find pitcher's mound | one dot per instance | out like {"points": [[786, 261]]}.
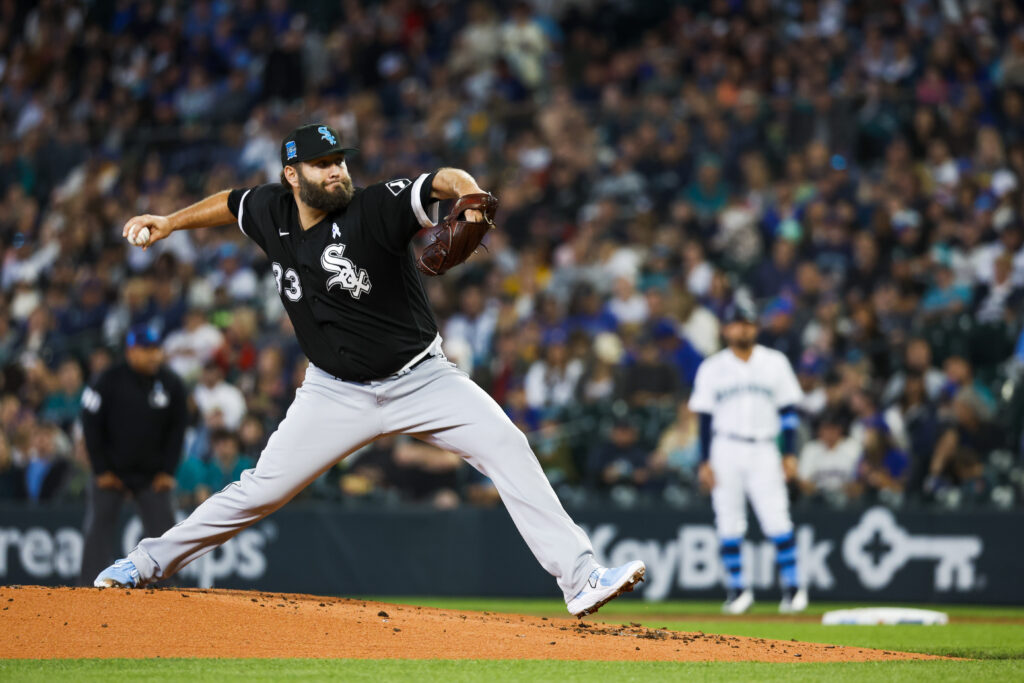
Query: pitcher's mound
{"points": [[43, 623]]}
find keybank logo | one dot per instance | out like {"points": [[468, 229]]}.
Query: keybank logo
{"points": [[691, 561], [46, 554], [878, 547], [875, 549]]}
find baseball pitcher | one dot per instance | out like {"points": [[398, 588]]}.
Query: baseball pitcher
{"points": [[745, 395], [347, 276]]}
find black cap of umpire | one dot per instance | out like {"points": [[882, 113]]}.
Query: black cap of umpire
{"points": [[312, 141], [142, 334], [739, 311]]}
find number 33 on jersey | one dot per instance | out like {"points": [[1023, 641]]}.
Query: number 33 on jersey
{"points": [[292, 290]]}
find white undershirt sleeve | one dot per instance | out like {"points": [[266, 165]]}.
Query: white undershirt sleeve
{"points": [[417, 203], [241, 207]]}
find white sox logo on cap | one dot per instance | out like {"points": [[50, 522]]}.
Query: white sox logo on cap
{"points": [[325, 133]]}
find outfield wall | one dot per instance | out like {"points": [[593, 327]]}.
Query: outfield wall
{"points": [[873, 554]]}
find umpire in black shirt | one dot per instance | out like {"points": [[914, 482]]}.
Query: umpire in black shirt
{"points": [[134, 423]]}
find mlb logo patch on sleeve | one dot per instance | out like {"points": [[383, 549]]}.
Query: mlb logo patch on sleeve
{"points": [[396, 186]]}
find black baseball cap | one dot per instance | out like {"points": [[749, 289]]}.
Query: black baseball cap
{"points": [[142, 334], [739, 311], [312, 141]]}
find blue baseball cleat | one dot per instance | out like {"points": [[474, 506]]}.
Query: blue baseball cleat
{"points": [[606, 584], [121, 574]]}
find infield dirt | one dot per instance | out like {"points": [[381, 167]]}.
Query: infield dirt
{"points": [[54, 623]]}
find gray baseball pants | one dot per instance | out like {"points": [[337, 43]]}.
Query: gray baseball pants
{"points": [[331, 418]]}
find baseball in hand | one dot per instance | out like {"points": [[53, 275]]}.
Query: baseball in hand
{"points": [[140, 238]]}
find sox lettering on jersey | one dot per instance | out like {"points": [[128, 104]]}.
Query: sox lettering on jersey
{"points": [[345, 273]]}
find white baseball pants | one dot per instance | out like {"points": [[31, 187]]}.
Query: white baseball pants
{"points": [[330, 419], [751, 470]]}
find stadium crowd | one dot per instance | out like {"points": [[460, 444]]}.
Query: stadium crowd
{"points": [[854, 166]]}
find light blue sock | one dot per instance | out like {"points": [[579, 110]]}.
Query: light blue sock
{"points": [[785, 557], [733, 561]]}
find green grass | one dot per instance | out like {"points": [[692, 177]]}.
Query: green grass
{"points": [[996, 650], [495, 671], [633, 607]]}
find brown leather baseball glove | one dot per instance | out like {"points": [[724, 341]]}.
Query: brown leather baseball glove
{"points": [[456, 238]]}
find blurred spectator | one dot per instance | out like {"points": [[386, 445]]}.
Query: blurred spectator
{"points": [[602, 381], [626, 305], [214, 394], [238, 280], [12, 475], [552, 448], [828, 464], [698, 270], [958, 457], [1001, 298], [522, 414], [47, 463], [778, 275], [678, 451], [479, 490], [551, 383], [189, 349], [920, 418], [587, 313], [677, 352], [945, 296], [524, 45], [615, 460], [64, 403], [810, 374], [474, 323], [82, 321], [271, 394], [779, 331], [198, 479], [961, 383], [708, 194], [367, 471], [917, 361], [699, 325], [252, 438], [423, 473], [649, 379], [237, 354], [883, 467]]}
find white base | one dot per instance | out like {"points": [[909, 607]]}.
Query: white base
{"points": [[874, 616]]}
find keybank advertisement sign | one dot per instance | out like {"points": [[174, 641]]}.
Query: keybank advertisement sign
{"points": [[874, 550], [872, 554]]}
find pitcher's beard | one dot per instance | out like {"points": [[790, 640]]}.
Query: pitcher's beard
{"points": [[322, 199]]}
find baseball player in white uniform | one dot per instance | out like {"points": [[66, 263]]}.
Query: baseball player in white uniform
{"points": [[745, 397]]}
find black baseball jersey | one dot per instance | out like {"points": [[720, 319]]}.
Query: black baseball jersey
{"points": [[348, 283]]}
